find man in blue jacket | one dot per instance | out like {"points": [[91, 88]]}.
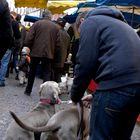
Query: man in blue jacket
{"points": [[109, 53]]}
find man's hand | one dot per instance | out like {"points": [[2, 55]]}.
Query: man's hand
{"points": [[87, 100]]}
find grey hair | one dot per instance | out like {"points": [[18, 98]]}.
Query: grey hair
{"points": [[46, 14]]}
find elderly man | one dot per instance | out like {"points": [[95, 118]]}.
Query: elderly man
{"points": [[61, 52], [42, 41], [109, 53]]}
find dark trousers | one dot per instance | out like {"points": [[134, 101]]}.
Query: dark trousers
{"points": [[114, 113], [46, 69], [57, 74]]}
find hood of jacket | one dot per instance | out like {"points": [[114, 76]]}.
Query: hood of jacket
{"points": [[106, 11]]}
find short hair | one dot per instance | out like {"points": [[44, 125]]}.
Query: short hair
{"points": [[18, 18], [46, 13]]}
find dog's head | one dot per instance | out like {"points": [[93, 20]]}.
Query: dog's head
{"points": [[66, 85], [50, 91]]}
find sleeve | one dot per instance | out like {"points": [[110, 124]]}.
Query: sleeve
{"points": [[86, 59], [22, 62], [58, 41], [17, 33]]}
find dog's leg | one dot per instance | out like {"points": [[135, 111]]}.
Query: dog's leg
{"points": [[67, 134], [48, 136], [37, 136]]}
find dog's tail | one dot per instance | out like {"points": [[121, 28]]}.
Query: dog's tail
{"points": [[33, 129]]}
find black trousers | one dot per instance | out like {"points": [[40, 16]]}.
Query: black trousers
{"points": [[57, 74], [46, 70]]}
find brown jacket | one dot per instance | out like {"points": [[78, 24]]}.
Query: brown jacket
{"points": [[62, 49], [42, 38]]}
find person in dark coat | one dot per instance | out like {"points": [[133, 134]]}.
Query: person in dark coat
{"points": [[42, 41], [5, 28], [15, 45], [22, 30], [61, 51], [109, 53]]}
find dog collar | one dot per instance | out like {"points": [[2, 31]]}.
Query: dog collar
{"points": [[48, 101]]}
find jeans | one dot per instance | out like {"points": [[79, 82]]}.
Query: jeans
{"points": [[46, 70], [114, 113], [4, 65]]}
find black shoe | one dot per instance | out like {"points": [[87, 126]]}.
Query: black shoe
{"points": [[27, 93], [16, 78], [11, 70], [2, 84], [7, 75]]}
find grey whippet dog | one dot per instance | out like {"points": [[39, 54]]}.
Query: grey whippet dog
{"points": [[39, 116], [63, 125]]}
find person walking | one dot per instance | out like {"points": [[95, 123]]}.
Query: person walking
{"points": [[22, 30], [15, 46], [4, 65], [61, 52], [42, 41], [5, 28], [109, 53]]}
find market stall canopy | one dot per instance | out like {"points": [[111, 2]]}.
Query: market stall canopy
{"points": [[31, 18], [57, 7], [132, 14], [31, 3], [124, 7], [131, 8], [120, 2]]}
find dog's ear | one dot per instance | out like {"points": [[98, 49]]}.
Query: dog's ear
{"points": [[40, 90]]}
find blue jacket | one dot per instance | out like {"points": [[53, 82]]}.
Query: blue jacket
{"points": [[109, 53]]}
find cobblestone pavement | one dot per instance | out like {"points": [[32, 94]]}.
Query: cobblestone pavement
{"points": [[12, 98]]}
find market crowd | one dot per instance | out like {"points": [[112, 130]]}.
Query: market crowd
{"points": [[43, 47], [104, 49]]}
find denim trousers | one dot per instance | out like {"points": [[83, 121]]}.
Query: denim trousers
{"points": [[114, 113], [4, 65]]}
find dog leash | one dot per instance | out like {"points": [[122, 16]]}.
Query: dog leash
{"points": [[81, 126]]}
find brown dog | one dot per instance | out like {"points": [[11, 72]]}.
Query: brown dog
{"points": [[64, 125], [39, 116]]}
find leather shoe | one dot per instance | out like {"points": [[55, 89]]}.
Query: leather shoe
{"points": [[2, 84], [27, 93]]}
